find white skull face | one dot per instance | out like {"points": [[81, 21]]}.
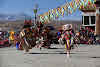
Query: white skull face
{"points": [[67, 27], [64, 27]]}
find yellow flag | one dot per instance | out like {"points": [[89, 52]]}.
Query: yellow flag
{"points": [[63, 11], [59, 10], [71, 4]]}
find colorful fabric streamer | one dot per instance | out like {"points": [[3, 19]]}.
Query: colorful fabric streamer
{"points": [[68, 8]]}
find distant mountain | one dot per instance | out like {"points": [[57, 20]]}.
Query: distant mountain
{"points": [[13, 17]]}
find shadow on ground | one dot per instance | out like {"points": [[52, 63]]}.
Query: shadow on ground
{"points": [[95, 57], [50, 53], [55, 48]]}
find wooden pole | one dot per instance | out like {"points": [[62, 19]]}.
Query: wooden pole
{"points": [[97, 3], [97, 24]]}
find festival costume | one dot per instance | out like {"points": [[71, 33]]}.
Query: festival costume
{"points": [[23, 41], [11, 37], [67, 36]]}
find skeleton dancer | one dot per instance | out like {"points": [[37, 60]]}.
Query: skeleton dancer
{"points": [[67, 36]]}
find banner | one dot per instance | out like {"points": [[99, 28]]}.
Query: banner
{"points": [[68, 8]]}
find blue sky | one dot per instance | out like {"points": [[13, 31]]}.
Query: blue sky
{"points": [[26, 6]]}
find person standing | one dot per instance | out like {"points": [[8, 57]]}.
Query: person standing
{"points": [[11, 37], [67, 36]]}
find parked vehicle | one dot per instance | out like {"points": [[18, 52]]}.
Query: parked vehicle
{"points": [[4, 43]]}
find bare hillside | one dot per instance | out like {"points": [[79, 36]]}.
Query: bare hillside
{"points": [[7, 25]]}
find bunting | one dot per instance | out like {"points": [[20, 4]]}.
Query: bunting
{"points": [[68, 8]]}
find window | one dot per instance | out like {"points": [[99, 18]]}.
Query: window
{"points": [[92, 19], [86, 20]]}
